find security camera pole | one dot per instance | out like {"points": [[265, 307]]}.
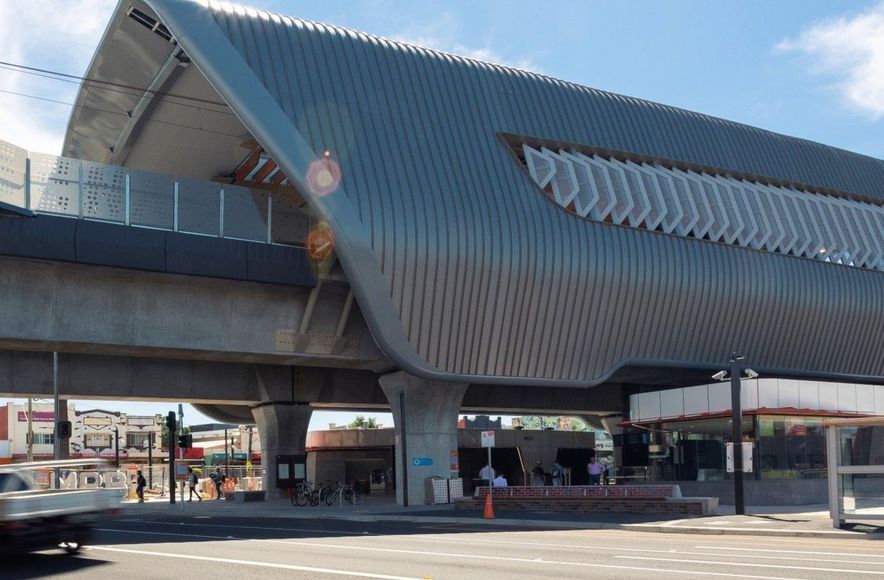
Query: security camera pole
{"points": [[737, 435]]}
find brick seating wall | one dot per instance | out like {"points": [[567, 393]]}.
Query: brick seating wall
{"points": [[602, 491], [634, 505]]}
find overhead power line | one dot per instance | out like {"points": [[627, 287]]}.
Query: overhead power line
{"points": [[110, 86], [121, 114]]}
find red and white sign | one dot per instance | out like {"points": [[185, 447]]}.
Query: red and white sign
{"points": [[487, 438]]}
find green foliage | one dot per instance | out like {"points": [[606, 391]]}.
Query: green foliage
{"points": [[361, 422], [164, 437]]}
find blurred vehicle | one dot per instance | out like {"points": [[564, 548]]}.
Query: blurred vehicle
{"points": [[34, 519]]}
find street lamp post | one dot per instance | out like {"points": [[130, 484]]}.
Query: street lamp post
{"points": [[116, 446], [737, 433]]}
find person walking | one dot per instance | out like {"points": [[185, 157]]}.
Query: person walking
{"points": [[140, 483], [193, 480], [595, 469]]}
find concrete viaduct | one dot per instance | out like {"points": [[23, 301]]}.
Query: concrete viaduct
{"points": [[503, 241]]}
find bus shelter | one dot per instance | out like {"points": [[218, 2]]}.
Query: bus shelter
{"points": [[855, 450]]}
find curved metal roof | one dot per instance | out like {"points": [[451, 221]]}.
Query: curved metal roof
{"points": [[466, 272]]}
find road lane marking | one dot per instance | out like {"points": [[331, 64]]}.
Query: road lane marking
{"points": [[750, 565], [642, 550], [505, 542], [415, 552], [170, 534], [226, 527], [789, 551], [506, 559], [255, 563]]}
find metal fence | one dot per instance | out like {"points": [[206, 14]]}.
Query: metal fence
{"points": [[72, 187]]}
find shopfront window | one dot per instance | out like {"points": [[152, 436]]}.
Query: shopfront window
{"points": [[791, 447], [785, 447]]}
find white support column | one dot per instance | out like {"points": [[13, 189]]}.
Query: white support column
{"points": [[429, 436]]}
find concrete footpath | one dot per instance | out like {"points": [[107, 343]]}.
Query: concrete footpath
{"points": [[786, 521]]}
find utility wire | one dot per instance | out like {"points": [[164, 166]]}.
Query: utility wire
{"points": [[88, 108], [107, 85]]}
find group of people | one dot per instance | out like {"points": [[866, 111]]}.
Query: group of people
{"points": [[192, 481], [595, 469]]}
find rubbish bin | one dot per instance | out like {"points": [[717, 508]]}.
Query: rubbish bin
{"points": [[436, 490]]}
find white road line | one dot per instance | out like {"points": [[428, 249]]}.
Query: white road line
{"points": [[226, 527], [641, 550], [671, 551], [789, 551], [254, 563], [505, 559], [750, 565], [399, 551], [171, 534]]}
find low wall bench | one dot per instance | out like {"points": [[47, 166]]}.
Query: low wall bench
{"points": [[642, 499]]}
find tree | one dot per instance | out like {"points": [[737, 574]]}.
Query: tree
{"points": [[363, 423], [164, 437]]}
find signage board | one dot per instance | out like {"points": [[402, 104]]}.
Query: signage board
{"points": [[487, 438], [422, 461], [37, 416], [747, 457], [97, 421], [142, 421]]}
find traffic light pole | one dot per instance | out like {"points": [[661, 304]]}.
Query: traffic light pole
{"points": [[170, 428]]}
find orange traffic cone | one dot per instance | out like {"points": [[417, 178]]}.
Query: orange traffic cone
{"points": [[489, 508]]}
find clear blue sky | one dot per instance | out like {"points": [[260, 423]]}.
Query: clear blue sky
{"points": [[808, 68]]}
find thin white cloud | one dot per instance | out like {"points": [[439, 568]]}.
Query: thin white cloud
{"points": [[51, 35], [440, 35], [850, 49]]}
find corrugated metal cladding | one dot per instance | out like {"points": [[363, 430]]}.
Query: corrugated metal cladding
{"points": [[492, 280]]}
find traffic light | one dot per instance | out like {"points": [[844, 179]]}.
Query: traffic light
{"points": [[185, 441], [171, 422], [64, 430]]}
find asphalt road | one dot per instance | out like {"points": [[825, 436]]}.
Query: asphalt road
{"points": [[215, 547]]}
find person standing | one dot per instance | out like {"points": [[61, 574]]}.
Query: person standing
{"points": [[558, 474], [140, 483], [193, 480], [486, 474], [537, 476], [595, 469], [217, 479]]}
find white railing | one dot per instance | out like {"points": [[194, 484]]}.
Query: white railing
{"points": [[70, 187]]}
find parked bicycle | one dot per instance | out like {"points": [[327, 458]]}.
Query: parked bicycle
{"points": [[303, 493], [345, 492]]}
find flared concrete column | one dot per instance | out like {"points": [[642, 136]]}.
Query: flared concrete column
{"points": [[429, 411], [282, 428]]}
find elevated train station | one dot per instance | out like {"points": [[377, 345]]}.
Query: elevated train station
{"points": [[502, 241]]}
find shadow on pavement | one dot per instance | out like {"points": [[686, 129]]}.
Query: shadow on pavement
{"points": [[48, 563], [172, 529]]}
